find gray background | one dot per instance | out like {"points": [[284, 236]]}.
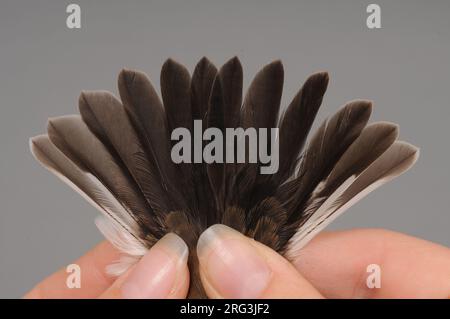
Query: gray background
{"points": [[404, 68]]}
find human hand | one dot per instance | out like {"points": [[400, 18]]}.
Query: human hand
{"points": [[161, 273], [333, 265]]}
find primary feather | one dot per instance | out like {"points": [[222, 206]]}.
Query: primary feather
{"points": [[117, 156]]}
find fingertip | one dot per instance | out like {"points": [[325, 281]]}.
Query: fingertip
{"points": [[235, 266], [162, 273]]}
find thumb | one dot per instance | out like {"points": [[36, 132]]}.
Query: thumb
{"points": [[162, 273], [235, 266]]}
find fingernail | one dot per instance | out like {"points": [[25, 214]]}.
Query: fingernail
{"points": [[155, 274], [231, 265]]}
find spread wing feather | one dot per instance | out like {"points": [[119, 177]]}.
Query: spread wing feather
{"points": [[117, 155]]}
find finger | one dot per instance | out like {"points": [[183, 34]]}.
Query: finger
{"points": [[235, 266], [161, 273], [93, 277], [336, 263]]}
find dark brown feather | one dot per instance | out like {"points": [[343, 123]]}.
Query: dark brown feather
{"points": [[176, 95], [296, 123], [175, 91], [71, 135], [202, 80], [260, 110], [326, 147], [104, 110], [201, 86], [148, 117], [87, 185]]}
